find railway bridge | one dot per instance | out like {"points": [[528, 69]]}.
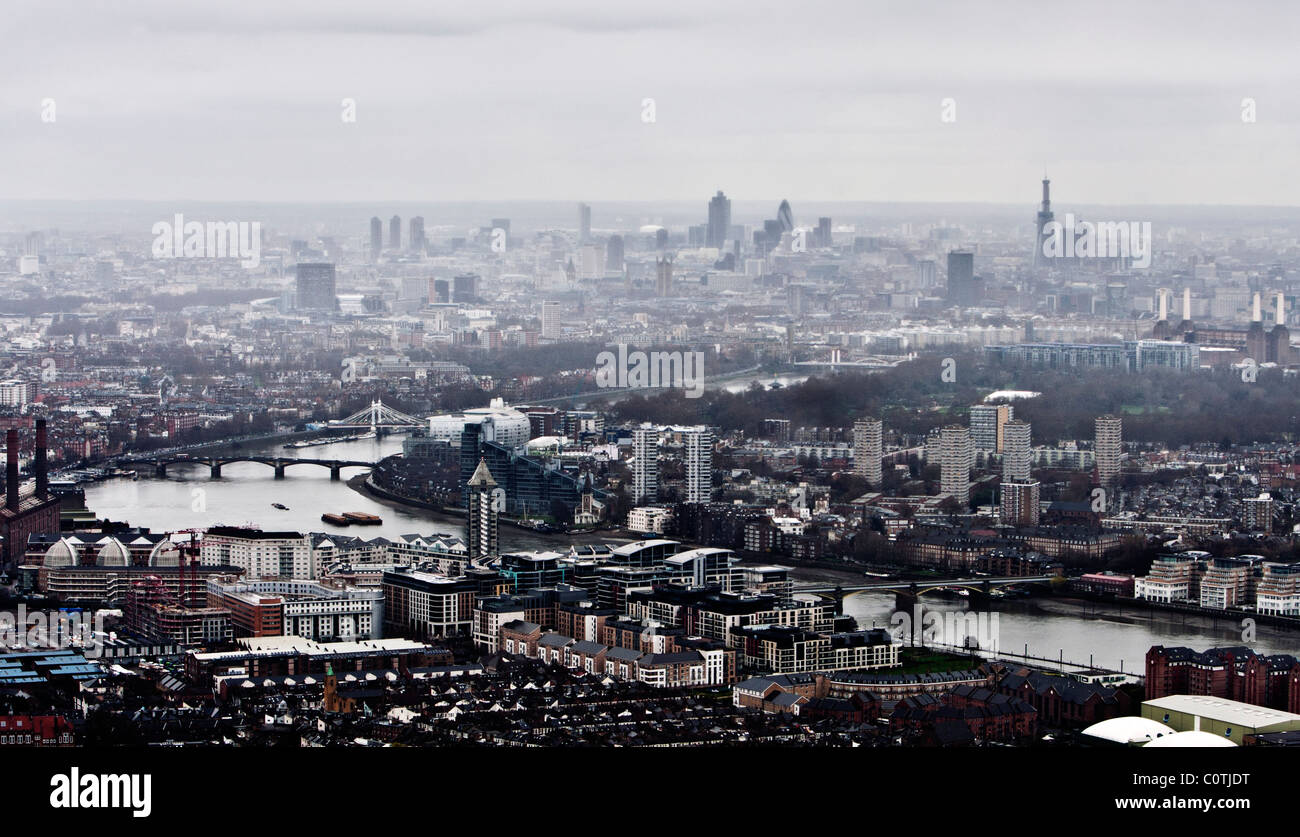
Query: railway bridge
{"points": [[279, 463]]}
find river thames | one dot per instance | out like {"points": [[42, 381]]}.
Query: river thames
{"points": [[188, 498]]}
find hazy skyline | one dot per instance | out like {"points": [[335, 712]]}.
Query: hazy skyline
{"points": [[819, 102]]}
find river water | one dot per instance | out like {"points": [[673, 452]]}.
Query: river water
{"points": [[243, 496], [187, 498], [1094, 633]]}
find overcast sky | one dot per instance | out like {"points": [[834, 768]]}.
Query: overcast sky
{"points": [[1118, 102]]}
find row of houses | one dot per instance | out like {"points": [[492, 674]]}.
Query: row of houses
{"points": [[671, 662]]}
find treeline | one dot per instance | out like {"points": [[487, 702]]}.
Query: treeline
{"points": [[1158, 406]]}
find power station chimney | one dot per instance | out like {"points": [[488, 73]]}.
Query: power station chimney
{"points": [[1279, 317], [11, 469], [1255, 315], [42, 478], [1163, 294], [1187, 304]]}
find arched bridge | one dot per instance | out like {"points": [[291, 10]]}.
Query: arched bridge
{"points": [[914, 589], [279, 463]]}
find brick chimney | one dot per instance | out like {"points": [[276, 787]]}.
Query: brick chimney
{"points": [[42, 476], [11, 469]]}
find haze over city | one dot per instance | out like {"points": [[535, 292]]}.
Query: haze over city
{"points": [[826, 102]]}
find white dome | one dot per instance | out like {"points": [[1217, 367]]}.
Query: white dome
{"points": [[62, 553], [1129, 729], [1192, 738], [113, 554], [165, 554], [502, 425]]}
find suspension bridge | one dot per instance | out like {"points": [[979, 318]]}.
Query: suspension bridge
{"points": [[376, 416]]}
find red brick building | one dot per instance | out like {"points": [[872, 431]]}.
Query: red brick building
{"points": [[1235, 673], [35, 731], [1063, 701]]}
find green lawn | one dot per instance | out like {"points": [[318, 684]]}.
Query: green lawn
{"points": [[925, 661]]}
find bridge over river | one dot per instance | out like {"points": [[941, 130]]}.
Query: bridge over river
{"points": [[214, 463], [909, 590]]}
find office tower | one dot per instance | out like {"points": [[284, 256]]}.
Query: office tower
{"points": [[550, 319], [502, 224], [395, 232], [464, 288], [614, 254], [1017, 452], [315, 287], [591, 262], [376, 238], [1041, 232], [719, 221], [796, 297], [441, 291], [961, 278], [699, 464], [986, 424], [663, 277], [481, 531], [414, 288], [417, 241], [927, 274], [824, 232], [785, 217], [584, 223], [645, 465], [661, 239], [1108, 445], [956, 452], [868, 441]]}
